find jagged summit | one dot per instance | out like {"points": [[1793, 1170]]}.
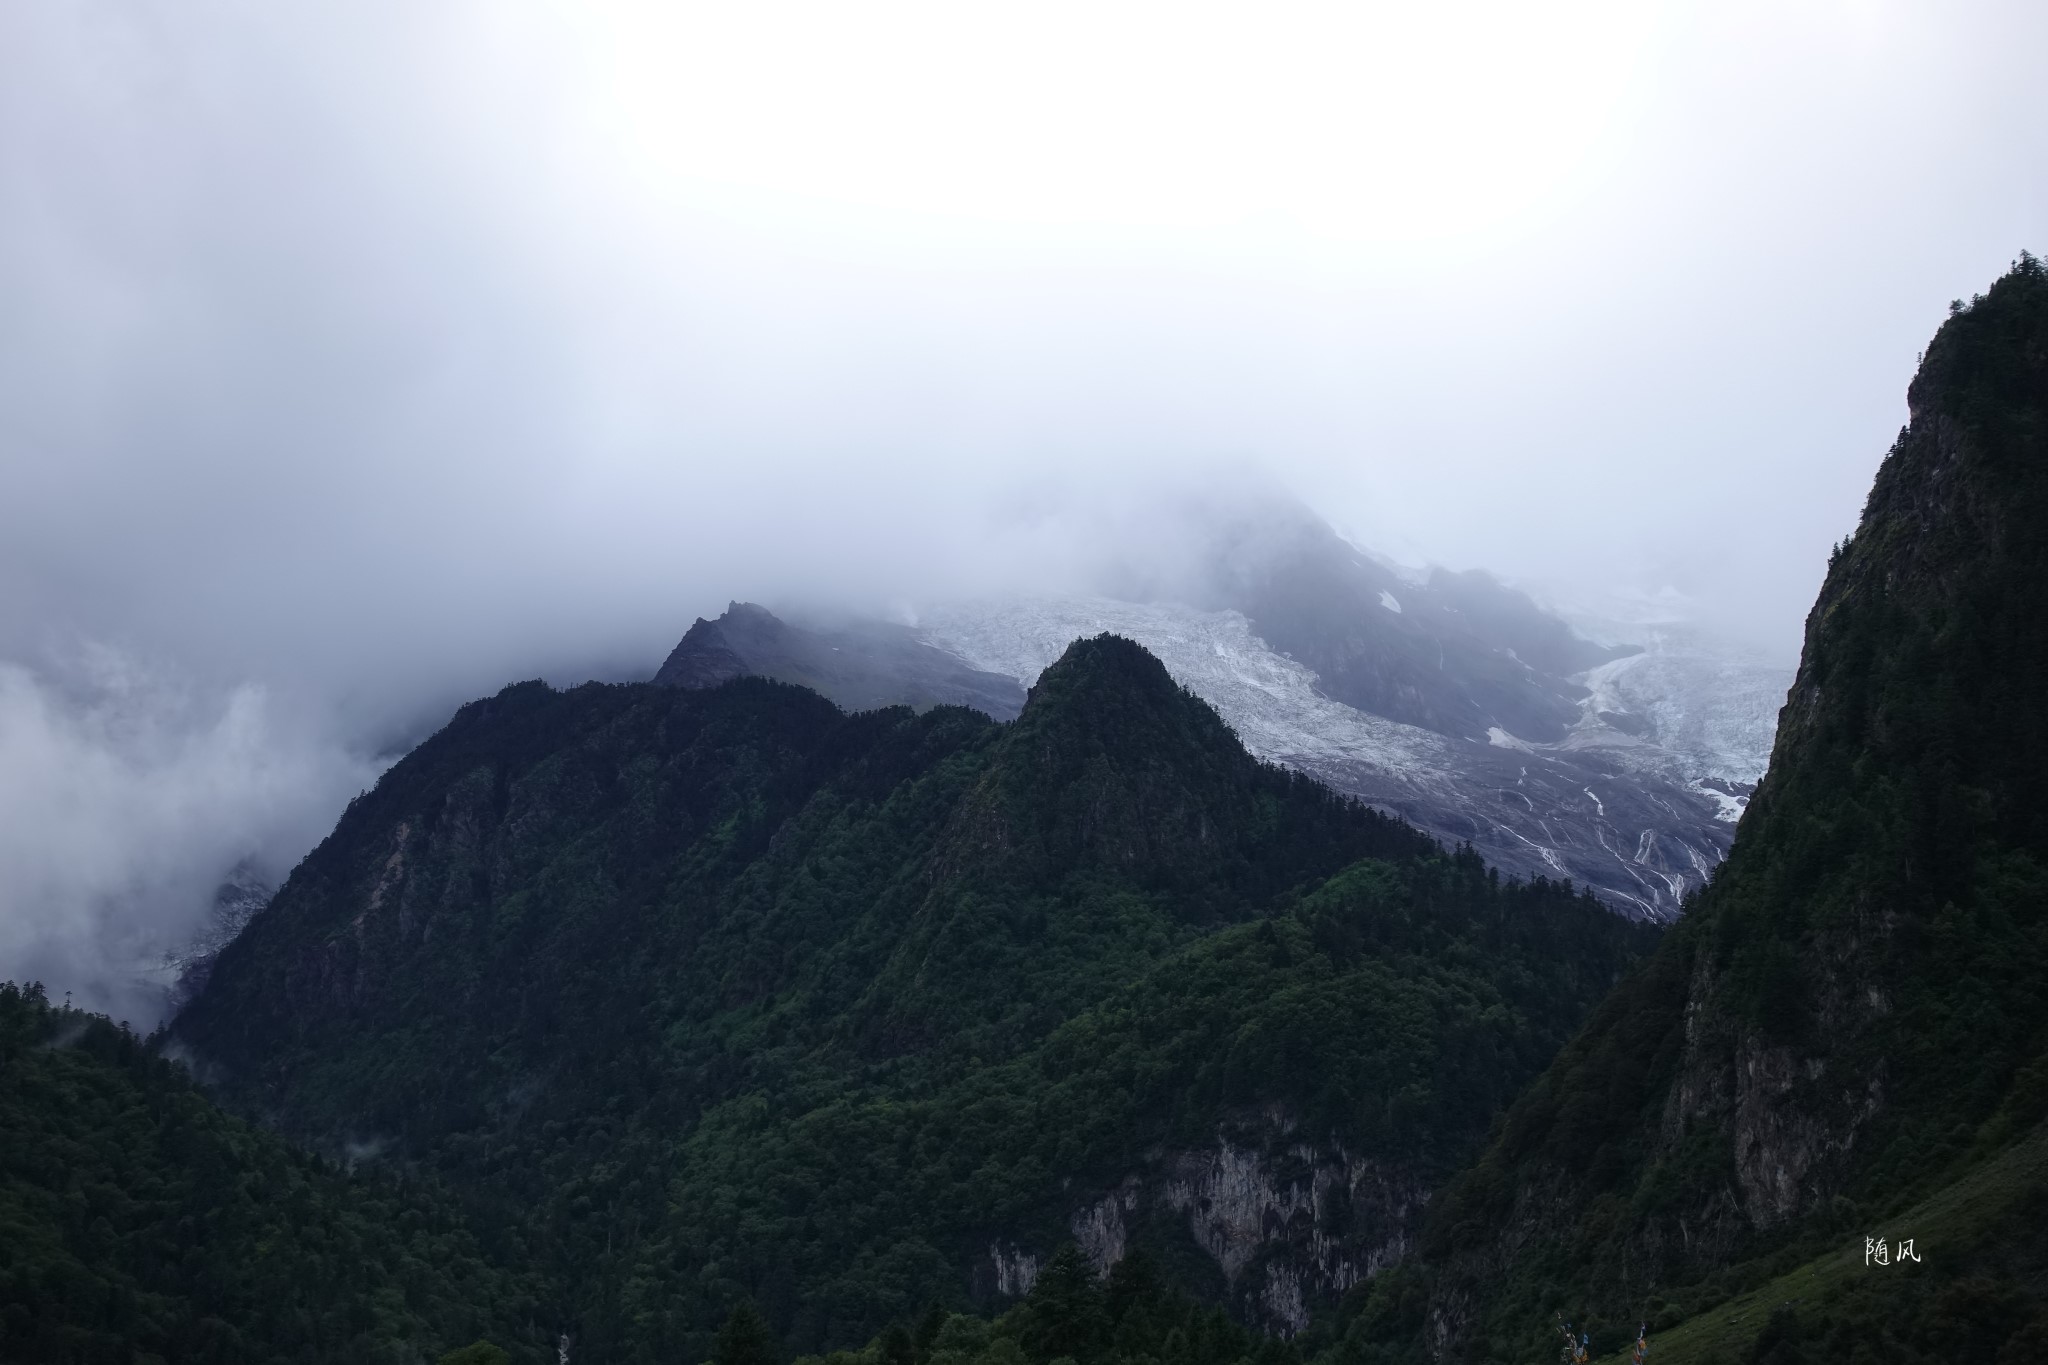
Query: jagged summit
{"points": [[706, 655], [859, 665]]}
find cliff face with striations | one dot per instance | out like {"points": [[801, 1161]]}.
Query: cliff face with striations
{"points": [[1285, 1221]]}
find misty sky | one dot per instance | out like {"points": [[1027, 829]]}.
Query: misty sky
{"points": [[354, 362]]}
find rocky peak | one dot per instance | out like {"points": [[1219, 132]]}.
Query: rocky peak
{"points": [[858, 665]]}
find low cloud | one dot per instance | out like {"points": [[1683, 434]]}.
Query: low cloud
{"points": [[359, 360], [127, 794]]}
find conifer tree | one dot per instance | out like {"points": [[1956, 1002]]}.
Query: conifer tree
{"points": [[1063, 1314], [897, 1346], [744, 1339]]}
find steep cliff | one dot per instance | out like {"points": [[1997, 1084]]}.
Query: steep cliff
{"points": [[1855, 1011], [1283, 1222]]}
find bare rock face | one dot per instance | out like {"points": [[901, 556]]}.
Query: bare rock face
{"points": [[1793, 1109], [1305, 1223], [1010, 1272], [1287, 1223]]}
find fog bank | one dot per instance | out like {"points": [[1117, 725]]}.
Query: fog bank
{"points": [[357, 360]]}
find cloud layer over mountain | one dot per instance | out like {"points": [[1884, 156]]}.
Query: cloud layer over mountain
{"points": [[361, 361]]}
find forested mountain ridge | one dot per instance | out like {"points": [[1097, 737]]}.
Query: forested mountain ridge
{"points": [[1852, 1015], [700, 995]]}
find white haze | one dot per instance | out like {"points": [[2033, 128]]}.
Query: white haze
{"points": [[126, 799], [357, 359]]}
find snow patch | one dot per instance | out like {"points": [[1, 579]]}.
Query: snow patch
{"points": [[1731, 807], [1388, 601]]}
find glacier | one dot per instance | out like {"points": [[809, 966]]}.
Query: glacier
{"points": [[1637, 801]]}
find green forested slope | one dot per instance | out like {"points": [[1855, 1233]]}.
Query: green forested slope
{"points": [[1396, 1008], [699, 996], [1854, 1014], [139, 1223]]}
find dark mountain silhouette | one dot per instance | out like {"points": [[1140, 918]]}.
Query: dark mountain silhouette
{"points": [[704, 994]]}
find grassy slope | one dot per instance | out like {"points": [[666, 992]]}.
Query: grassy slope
{"points": [[1947, 1227]]}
